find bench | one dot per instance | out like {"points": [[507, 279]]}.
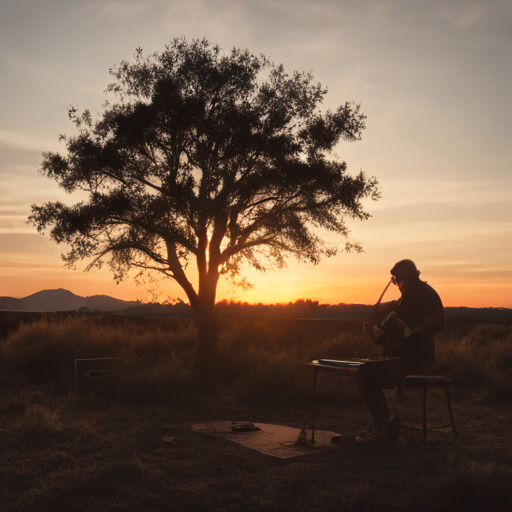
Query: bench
{"points": [[91, 370]]}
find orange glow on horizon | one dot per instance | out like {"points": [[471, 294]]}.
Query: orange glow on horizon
{"points": [[287, 287]]}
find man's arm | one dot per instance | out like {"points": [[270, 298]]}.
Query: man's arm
{"points": [[432, 325], [435, 316]]}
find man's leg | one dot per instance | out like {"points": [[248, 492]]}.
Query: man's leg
{"points": [[371, 378]]}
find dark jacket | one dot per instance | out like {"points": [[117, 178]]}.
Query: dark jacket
{"points": [[418, 306]]}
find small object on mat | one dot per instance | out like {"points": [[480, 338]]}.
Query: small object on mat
{"points": [[342, 364], [169, 439], [244, 427], [302, 438]]}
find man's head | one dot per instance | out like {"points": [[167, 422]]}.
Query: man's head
{"points": [[404, 270]]}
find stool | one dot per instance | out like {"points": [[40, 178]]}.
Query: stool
{"points": [[424, 382]]}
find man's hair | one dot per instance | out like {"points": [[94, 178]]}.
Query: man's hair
{"points": [[405, 269]]}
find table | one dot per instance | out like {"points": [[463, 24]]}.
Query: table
{"points": [[339, 370]]}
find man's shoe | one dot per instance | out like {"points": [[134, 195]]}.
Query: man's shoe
{"points": [[384, 440], [369, 431], [366, 432]]}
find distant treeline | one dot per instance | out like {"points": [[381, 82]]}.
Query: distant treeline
{"points": [[307, 308], [499, 315], [300, 308], [10, 320]]}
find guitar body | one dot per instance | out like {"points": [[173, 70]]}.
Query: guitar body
{"points": [[385, 328]]}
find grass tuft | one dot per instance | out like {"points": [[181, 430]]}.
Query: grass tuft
{"points": [[39, 426]]}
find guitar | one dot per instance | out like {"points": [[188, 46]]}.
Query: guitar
{"points": [[386, 328]]}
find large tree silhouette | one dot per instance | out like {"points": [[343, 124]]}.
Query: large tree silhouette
{"points": [[208, 157]]}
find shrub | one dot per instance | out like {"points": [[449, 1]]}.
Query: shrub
{"points": [[258, 356], [270, 375], [481, 358], [476, 485], [39, 426]]}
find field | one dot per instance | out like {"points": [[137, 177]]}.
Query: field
{"points": [[101, 447]]}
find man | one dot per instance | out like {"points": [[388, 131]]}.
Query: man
{"points": [[406, 328]]}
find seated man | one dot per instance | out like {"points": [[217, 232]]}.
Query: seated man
{"points": [[406, 329]]}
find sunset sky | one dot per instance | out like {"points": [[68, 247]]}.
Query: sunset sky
{"points": [[434, 78]]}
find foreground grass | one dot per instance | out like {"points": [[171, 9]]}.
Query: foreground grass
{"points": [[103, 449]]}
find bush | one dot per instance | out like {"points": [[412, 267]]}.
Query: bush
{"points": [[258, 356], [39, 426], [476, 485], [481, 358]]}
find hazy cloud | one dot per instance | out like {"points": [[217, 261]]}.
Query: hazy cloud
{"points": [[16, 160], [24, 243], [14, 264], [112, 10], [444, 213]]}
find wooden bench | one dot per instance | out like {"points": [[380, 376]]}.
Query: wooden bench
{"points": [[90, 370]]}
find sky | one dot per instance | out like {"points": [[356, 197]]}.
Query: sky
{"points": [[434, 79]]}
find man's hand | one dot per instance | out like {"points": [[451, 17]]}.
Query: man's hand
{"points": [[377, 332], [371, 318], [374, 332]]}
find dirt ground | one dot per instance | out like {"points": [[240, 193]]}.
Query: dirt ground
{"points": [[84, 453]]}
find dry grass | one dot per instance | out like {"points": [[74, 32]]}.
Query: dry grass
{"points": [[103, 449]]}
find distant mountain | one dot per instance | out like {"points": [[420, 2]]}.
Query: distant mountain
{"points": [[63, 300], [8, 303], [51, 300], [107, 303]]}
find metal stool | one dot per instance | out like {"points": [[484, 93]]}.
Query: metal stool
{"points": [[424, 382]]}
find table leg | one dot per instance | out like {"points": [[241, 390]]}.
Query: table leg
{"points": [[424, 417], [452, 421], [313, 407]]}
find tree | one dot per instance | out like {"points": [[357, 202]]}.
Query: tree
{"points": [[205, 156]]}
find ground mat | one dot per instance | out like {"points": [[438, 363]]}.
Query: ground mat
{"points": [[275, 440]]}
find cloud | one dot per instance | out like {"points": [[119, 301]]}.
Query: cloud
{"points": [[112, 10], [24, 243], [28, 142], [13, 213], [17, 160], [416, 189], [464, 14], [470, 273], [15, 264], [444, 213]]}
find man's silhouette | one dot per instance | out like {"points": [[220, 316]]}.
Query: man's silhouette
{"points": [[406, 329]]}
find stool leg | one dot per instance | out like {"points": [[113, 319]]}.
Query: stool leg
{"points": [[424, 417], [447, 386], [313, 407]]}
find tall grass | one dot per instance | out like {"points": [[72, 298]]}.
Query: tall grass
{"points": [[45, 352], [480, 358], [258, 356]]}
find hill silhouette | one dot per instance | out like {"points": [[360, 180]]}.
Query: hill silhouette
{"points": [[63, 300]]}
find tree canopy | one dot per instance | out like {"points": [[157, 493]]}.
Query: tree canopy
{"points": [[205, 156]]}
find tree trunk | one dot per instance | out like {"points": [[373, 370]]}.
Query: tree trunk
{"points": [[208, 327], [207, 345]]}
